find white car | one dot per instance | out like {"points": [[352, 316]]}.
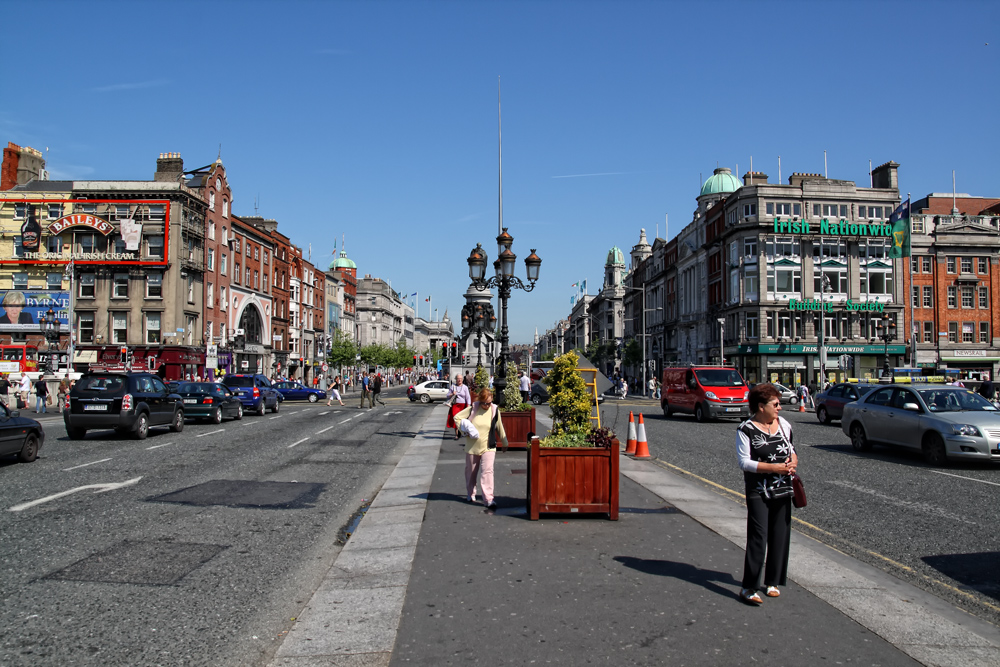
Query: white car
{"points": [[432, 390]]}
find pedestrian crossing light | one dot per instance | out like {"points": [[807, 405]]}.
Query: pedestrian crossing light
{"points": [[124, 355]]}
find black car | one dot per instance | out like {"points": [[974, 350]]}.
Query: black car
{"points": [[255, 391], [126, 402], [19, 435], [208, 400]]}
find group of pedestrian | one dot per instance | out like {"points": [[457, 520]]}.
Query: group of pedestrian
{"points": [[371, 390]]}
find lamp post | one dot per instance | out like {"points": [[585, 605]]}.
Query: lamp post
{"points": [[504, 281], [886, 332], [50, 328], [722, 334], [825, 286], [643, 290]]}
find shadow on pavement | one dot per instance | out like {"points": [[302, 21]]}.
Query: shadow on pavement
{"points": [[708, 579]]}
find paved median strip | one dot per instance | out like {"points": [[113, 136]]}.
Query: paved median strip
{"points": [[202, 435]]}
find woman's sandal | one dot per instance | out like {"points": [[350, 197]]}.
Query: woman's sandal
{"points": [[772, 592], [750, 597]]}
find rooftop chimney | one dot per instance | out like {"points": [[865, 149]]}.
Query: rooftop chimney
{"points": [[169, 168], [21, 164], [884, 176], [754, 178]]}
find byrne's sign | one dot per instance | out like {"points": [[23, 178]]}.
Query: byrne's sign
{"points": [[81, 220], [827, 228], [827, 306]]}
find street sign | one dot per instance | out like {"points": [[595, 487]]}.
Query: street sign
{"points": [[325, 368], [212, 356]]}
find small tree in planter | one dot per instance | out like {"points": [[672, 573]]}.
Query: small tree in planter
{"points": [[571, 404], [518, 416], [511, 400], [482, 378]]}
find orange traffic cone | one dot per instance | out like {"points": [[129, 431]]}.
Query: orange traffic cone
{"points": [[802, 406], [641, 446], [630, 444]]}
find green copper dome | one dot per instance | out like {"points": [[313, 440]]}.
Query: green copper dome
{"points": [[721, 182], [615, 256], [342, 262]]}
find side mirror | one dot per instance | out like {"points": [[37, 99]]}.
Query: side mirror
{"points": [[912, 407]]}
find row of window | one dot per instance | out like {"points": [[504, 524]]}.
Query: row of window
{"points": [[111, 212], [788, 324], [925, 264], [967, 331], [788, 281], [86, 242], [788, 209], [118, 326], [822, 248]]}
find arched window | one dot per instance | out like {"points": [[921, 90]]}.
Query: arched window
{"points": [[252, 325]]}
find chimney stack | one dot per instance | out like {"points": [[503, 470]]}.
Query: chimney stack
{"points": [[169, 168], [884, 176], [754, 178]]}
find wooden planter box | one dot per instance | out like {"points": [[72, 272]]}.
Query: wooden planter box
{"points": [[573, 479], [518, 425]]}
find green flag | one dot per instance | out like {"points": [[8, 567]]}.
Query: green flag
{"points": [[899, 221]]}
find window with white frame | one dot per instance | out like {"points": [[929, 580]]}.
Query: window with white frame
{"points": [[984, 332], [20, 280], [211, 201], [54, 211], [928, 296], [983, 263], [237, 274], [952, 332], [153, 328], [876, 283], [246, 249], [265, 257], [18, 247], [951, 265], [984, 297], [222, 298], [952, 296], [86, 242], [968, 331], [248, 283], [782, 246], [915, 296], [209, 295], [751, 284], [750, 248], [53, 244], [256, 252], [119, 327], [157, 212], [53, 281], [122, 211], [190, 290], [917, 224], [154, 247], [966, 265], [877, 248], [256, 280], [210, 259], [85, 327], [225, 207], [734, 286], [925, 264], [928, 332], [20, 211], [211, 231], [784, 280], [154, 285], [752, 325], [749, 210], [223, 265], [119, 288], [967, 297], [835, 279], [88, 283]]}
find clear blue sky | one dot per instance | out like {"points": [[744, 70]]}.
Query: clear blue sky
{"points": [[379, 120]]}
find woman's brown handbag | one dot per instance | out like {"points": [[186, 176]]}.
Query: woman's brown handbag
{"points": [[798, 491]]}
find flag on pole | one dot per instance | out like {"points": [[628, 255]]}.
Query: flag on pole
{"points": [[414, 294], [575, 285], [572, 300], [428, 299], [899, 222], [583, 286]]}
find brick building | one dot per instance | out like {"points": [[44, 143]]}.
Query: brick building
{"points": [[250, 298]]}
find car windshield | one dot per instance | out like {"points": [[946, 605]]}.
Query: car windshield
{"points": [[100, 383], [719, 377], [233, 381], [196, 388], [954, 400]]}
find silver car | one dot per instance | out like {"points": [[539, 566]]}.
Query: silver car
{"points": [[787, 395], [942, 421], [432, 390]]}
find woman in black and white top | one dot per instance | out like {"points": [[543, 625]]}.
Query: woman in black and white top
{"points": [[767, 458]]}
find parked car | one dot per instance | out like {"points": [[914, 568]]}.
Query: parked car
{"points": [[19, 435], [432, 390], [941, 421], [830, 403], [127, 402], [787, 395], [296, 391], [211, 401], [539, 393], [255, 391], [706, 392]]}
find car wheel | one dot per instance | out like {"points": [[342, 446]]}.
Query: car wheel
{"points": [[793, 401], [260, 408], [934, 451], [76, 433], [239, 412], [277, 404], [177, 425], [313, 398], [536, 399], [859, 440], [141, 426], [29, 451], [699, 413], [424, 398], [822, 415], [667, 411], [217, 416]]}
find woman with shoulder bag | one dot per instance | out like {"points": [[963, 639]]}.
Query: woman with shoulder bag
{"points": [[480, 445], [462, 399], [768, 460]]}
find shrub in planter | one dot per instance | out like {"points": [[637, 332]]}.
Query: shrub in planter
{"points": [[511, 400], [568, 397], [482, 378]]}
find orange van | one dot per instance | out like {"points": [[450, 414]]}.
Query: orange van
{"points": [[707, 392]]}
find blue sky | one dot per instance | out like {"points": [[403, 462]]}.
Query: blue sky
{"points": [[378, 120]]}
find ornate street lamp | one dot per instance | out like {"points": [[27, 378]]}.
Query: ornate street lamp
{"points": [[50, 328], [504, 281], [886, 328]]}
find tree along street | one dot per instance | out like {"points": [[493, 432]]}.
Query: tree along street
{"points": [[933, 527], [208, 557]]}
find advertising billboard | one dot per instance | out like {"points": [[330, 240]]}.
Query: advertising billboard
{"points": [[23, 310]]}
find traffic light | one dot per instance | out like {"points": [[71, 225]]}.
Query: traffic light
{"points": [[124, 355], [444, 350], [454, 350], [414, 360]]}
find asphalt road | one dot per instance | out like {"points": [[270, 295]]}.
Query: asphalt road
{"points": [[936, 528], [210, 551]]}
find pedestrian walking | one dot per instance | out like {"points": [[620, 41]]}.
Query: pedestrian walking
{"points": [[41, 396], [377, 389], [805, 398], [480, 451], [335, 392], [524, 385], [767, 457], [4, 389], [651, 387], [366, 393], [462, 400], [62, 393], [25, 389]]}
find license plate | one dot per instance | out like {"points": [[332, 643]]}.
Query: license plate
{"points": [[190, 400], [102, 408], [733, 409]]}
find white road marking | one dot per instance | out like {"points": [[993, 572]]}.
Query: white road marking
{"points": [[347, 420], [276, 416], [202, 435], [84, 465], [101, 488], [166, 444], [249, 424], [971, 479], [926, 508], [324, 413], [293, 413], [297, 443], [324, 430]]}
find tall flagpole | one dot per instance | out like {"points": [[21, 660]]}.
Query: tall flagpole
{"points": [[913, 336], [501, 322]]}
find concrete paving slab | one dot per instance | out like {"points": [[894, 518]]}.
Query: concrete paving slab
{"points": [[388, 580], [365, 562], [393, 514], [397, 497], [944, 656], [383, 536], [419, 479], [358, 660]]}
